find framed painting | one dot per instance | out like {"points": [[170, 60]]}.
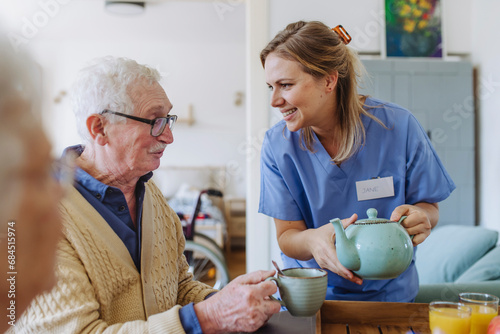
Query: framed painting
{"points": [[413, 28]]}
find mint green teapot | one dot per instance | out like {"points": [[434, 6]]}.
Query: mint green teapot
{"points": [[374, 248]]}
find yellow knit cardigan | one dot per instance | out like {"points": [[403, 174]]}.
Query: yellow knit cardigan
{"points": [[99, 289]]}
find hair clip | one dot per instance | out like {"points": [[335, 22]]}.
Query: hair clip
{"points": [[343, 34]]}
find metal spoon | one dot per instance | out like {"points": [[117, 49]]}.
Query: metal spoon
{"points": [[277, 268]]}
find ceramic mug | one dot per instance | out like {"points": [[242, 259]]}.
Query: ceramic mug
{"points": [[302, 290]]}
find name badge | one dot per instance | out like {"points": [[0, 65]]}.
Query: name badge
{"points": [[375, 188]]}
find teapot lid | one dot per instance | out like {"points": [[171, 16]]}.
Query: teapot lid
{"points": [[372, 218]]}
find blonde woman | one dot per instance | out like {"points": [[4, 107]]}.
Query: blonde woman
{"points": [[329, 140]]}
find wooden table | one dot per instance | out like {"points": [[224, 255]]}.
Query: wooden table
{"points": [[354, 317], [372, 317]]}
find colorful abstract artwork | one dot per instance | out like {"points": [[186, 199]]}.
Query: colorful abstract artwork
{"points": [[413, 28]]}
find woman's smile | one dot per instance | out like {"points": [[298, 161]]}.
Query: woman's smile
{"points": [[288, 113]]}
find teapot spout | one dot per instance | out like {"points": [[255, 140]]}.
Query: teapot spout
{"points": [[347, 252]]}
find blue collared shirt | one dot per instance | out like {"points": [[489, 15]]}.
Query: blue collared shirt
{"points": [[111, 204]]}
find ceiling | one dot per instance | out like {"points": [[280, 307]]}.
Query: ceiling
{"points": [[182, 21]]}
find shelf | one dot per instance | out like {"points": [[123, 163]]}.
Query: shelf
{"points": [[235, 212]]}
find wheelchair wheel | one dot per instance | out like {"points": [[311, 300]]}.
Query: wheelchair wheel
{"points": [[205, 265], [208, 242]]}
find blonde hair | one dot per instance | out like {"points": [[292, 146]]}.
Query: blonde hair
{"points": [[320, 51]]}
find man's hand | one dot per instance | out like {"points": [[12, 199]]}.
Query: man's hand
{"points": [[241, 306]]}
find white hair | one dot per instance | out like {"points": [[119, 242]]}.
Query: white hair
{"points": [[104, 85], [19, 114]]}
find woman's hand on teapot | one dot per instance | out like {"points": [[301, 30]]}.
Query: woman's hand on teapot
{"points": [[302, 243], [421, 218], [325, 253]]}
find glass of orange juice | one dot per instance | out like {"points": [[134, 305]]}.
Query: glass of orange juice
{"points": [[449, 318], [484, 308]]}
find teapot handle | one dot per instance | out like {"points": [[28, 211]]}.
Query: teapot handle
{"points": [[400, 221]]}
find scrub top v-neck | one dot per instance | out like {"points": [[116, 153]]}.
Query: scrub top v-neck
{"points": [[297, 184]]}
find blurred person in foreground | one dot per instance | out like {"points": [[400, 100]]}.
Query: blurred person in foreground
{"points": [[30, 225], [121, 266]]}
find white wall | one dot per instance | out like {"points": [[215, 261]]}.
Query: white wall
{"points": [[364, 20], [200, 49], [260, 239]]}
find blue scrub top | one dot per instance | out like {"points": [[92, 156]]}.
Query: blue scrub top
{"points": [[299, 185]]}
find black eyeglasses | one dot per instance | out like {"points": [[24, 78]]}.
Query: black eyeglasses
{"points": [[157, 125]]}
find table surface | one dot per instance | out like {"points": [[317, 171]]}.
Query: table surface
{"points": [[285, 323], [354, 317], [372, 317]]}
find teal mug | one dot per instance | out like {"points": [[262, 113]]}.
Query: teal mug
{"points": [[302, 290]]}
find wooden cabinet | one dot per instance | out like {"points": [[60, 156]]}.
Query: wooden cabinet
{"points": [[235, 212]]}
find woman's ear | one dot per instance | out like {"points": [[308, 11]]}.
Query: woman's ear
{"points": [[95, 125], [331, 81]]}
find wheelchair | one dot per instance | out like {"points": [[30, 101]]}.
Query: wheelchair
{"points": [[205, 258]]}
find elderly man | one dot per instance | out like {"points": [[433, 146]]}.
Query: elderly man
{"points": [[30, 225], [120, 266]]}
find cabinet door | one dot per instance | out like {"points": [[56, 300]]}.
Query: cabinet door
{"points": [[440, 95]]}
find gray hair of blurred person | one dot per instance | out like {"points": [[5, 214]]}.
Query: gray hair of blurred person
{"points": [[104, 84], [19, 114]]}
